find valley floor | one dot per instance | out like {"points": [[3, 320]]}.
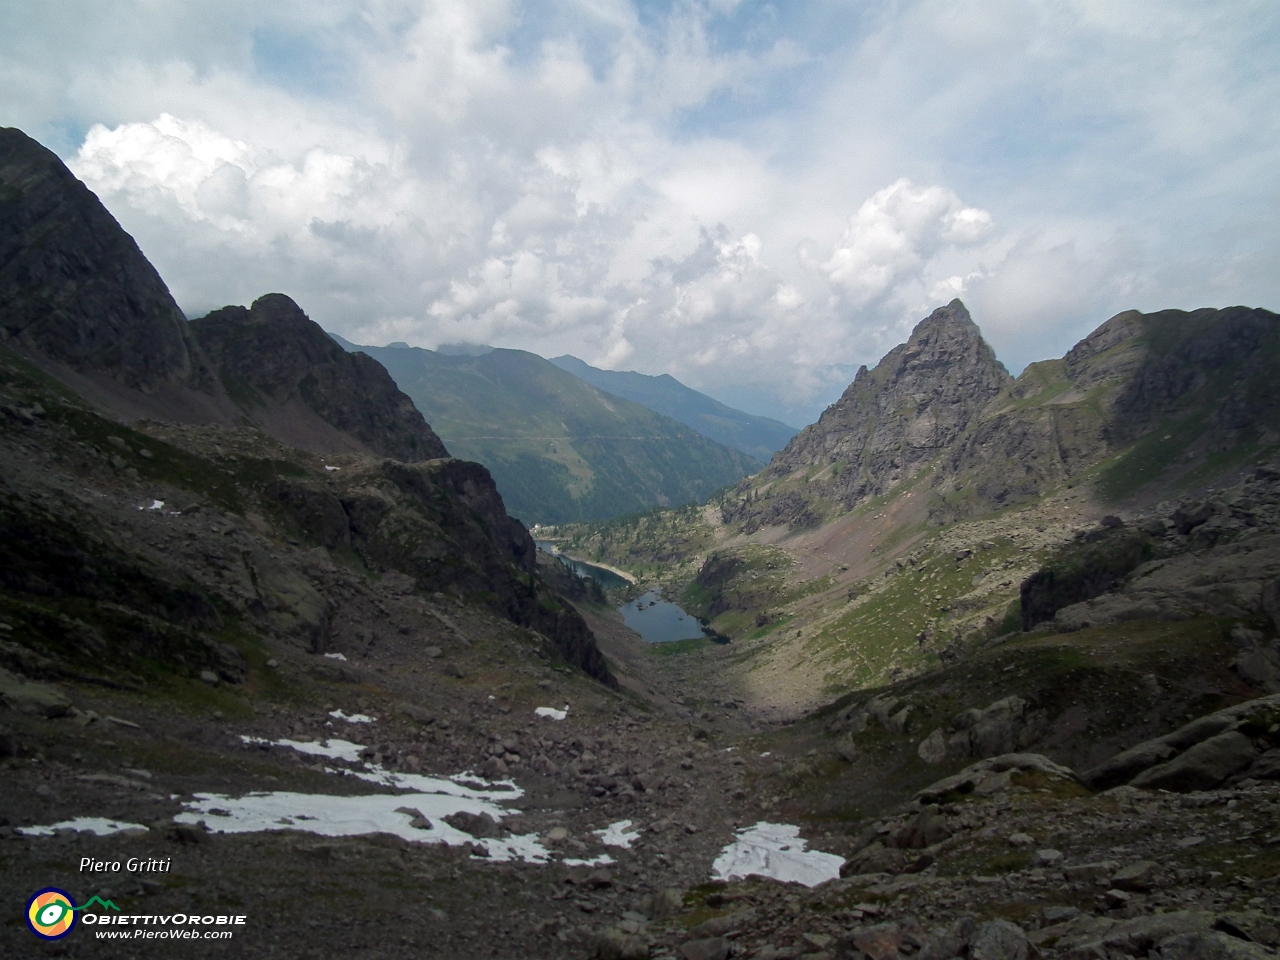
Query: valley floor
{"points": [[1112, 872]]}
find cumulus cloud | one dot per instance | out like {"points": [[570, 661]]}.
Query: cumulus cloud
{"points": [[895, 234], [755, 198]]}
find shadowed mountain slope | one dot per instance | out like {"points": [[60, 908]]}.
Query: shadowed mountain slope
{"points": [[224, 416], [290, 378]]}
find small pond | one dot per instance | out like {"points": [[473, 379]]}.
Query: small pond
{"points": [[658, 620]]}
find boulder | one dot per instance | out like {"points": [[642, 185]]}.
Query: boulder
{"points": [[1135, 877], [1270, 599], [928, 827], [617, 944], [880, 942], [933, 748], [712, 948], [999, 940], [973, 777], [40, 699], [1202, 767], [475, 824], [1002, 727], [951, 942], [1127, 765], [1210, 945]]}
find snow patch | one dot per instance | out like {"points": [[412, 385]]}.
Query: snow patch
{"points": [[334, 749], [618, 834], [599, 861], [552, 713], [352, 718], [333, 816], [99, 825], [336, 656], [775, 850]]}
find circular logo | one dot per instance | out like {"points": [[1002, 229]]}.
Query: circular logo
{"points": [[51, 913]]}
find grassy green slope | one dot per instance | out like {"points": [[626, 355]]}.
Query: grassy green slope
{"points": [[759, 437], [559, 449]]}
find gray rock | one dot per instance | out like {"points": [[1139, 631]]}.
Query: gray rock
{"points": [[928, 827], [1090, 871], [719, 926], [1128, 764], [713, 948], [1139, 935], [933, 748], [209, 677], [880, 942], [1135, 876], [846, 749], [1046, 858], [999, 940], [1265, 767], [1210, 945], [476, 824], [1270, 600], [617, 944], [1202, 767], [40, 699], [951, 943], [972, 777]]}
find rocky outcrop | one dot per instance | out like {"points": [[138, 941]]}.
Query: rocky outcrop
{"points": [[442, 522], [74, 287], [290, 377], [1200, 755], [1087, 568]]}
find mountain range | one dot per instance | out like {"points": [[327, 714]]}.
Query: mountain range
{"points": [[559, 449], [757, 437]]}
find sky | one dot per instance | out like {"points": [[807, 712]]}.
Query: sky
{"points": [[753, 197]]}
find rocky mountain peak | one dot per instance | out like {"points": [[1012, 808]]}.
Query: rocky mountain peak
{"points": [[74, 287], [894, 420], [301, 387]]}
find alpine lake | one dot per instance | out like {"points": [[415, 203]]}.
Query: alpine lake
{"points": [[655, 619]]}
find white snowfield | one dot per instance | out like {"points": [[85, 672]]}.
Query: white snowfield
{"points": [[99, 825], [332, 816], [775, 850], [552, 713]]}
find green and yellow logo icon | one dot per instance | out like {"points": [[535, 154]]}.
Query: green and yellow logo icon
{"points": [[51, 914]]}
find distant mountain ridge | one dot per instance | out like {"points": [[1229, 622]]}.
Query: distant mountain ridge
{"points": [[559, 448], [757, 437]]}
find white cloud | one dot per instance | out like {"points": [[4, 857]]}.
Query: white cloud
{"points": [[895, 234], [753, 197]]}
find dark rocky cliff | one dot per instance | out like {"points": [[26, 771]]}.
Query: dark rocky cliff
{"points": [[75, 287], [280, 368]]}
